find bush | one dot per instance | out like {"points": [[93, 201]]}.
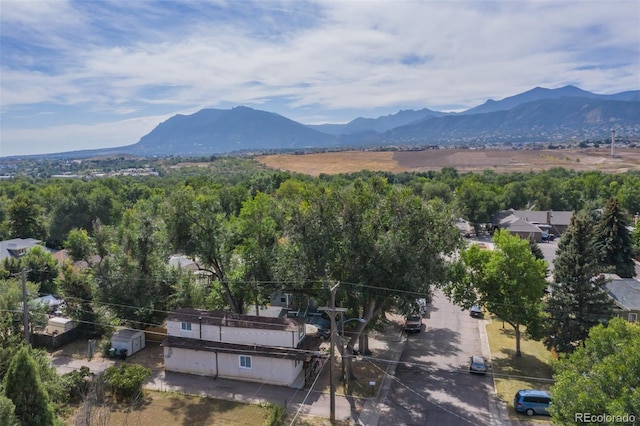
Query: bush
{"points": [[276, 413], [76, 383], [125, 382]]}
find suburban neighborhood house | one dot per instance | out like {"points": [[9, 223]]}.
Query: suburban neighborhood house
{"points": [[242, 347], [18, 247], [529, 223], [625, 293]]}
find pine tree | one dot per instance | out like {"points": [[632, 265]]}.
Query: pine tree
{"points": [[23, 386], [7, 412], [613, 240], [535, 249], [578, 300]]}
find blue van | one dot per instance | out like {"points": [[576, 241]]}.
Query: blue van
{"points": [[532, 402]]}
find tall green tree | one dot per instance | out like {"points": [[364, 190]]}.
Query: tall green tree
{"points": [[613, 240], [385, 245], [42, 269], [602, 377], [508, 281], [476, 202], [199, 227], [25, 218], [78, 291], [578, 300], [255, 234], [24, 388], [129, 264]]}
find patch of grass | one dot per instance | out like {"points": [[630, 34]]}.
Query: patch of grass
{"points": [[530, 371], [164, 408]]}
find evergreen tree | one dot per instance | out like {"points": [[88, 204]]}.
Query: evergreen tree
{"points": [[7, 412], [578, 300], [613, 240], [536, 251], [23, 386]]}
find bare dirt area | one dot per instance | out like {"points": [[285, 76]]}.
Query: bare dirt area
{"points": [[463, 160]]}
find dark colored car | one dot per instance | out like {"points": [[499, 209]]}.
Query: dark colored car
{"points": [[477, 365], [413, 323], [476, 311]]}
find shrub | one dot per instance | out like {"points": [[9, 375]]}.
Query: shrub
{"points": [[125, 382], [76, 383], [276, 413]]}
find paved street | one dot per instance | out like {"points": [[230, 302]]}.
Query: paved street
{"points": [[433, 385]]}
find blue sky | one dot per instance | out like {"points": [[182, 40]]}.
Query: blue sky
{"points": [[96, 74]]}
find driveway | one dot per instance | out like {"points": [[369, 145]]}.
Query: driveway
{"points": [[433, 384]]}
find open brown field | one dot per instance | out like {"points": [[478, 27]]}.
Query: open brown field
{"points": [[463, 160]]}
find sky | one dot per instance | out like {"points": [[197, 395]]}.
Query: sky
{"points": [[96, 74]]}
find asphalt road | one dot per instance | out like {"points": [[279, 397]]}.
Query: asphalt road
{"points": [[433, 385]]}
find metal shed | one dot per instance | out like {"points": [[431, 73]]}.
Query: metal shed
{"points": [[131, 340]]}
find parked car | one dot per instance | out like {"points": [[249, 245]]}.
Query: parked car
{"points": [[422, 306], [476, 311], [477, 365], [413, 323], [530, 402]]}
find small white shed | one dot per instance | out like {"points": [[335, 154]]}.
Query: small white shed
{"points": [[58, 325], [131, 340]]}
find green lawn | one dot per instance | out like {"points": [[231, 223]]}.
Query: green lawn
{"points": [[530, 371]]}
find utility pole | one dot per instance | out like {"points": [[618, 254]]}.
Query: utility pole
{"points": [[25, 308], [332, 311]]}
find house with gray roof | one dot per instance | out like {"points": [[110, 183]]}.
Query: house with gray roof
{"points": [[532, 224], [18, 247], [625, 293]]}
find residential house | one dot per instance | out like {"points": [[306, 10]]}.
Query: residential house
{"points": [[242, 347], [535, 224], [18, 247], [625, 293], [189, 265]]}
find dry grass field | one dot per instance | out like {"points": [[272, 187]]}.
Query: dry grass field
{"points": [[463, 160]]}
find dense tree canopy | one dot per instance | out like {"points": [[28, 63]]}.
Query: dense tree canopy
{"points": [[603, 377], [382, 235]]}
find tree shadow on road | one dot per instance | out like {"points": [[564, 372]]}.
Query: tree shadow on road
{"points": [[436, 341]]}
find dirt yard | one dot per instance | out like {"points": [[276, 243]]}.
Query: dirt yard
{"points": [[463, 160]]}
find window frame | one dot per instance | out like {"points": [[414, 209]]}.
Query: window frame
{"points": [[245, 358], [186, 326]]}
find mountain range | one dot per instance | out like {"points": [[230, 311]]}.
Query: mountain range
{"points": [[538, 115]]}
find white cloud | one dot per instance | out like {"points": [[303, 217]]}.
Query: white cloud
{"points": [[310, 59], [76, 136]]}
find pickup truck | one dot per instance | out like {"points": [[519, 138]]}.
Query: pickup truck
{"points": [[413, 323]]}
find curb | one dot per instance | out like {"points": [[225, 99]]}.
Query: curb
{"points": [[497, 408]]}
